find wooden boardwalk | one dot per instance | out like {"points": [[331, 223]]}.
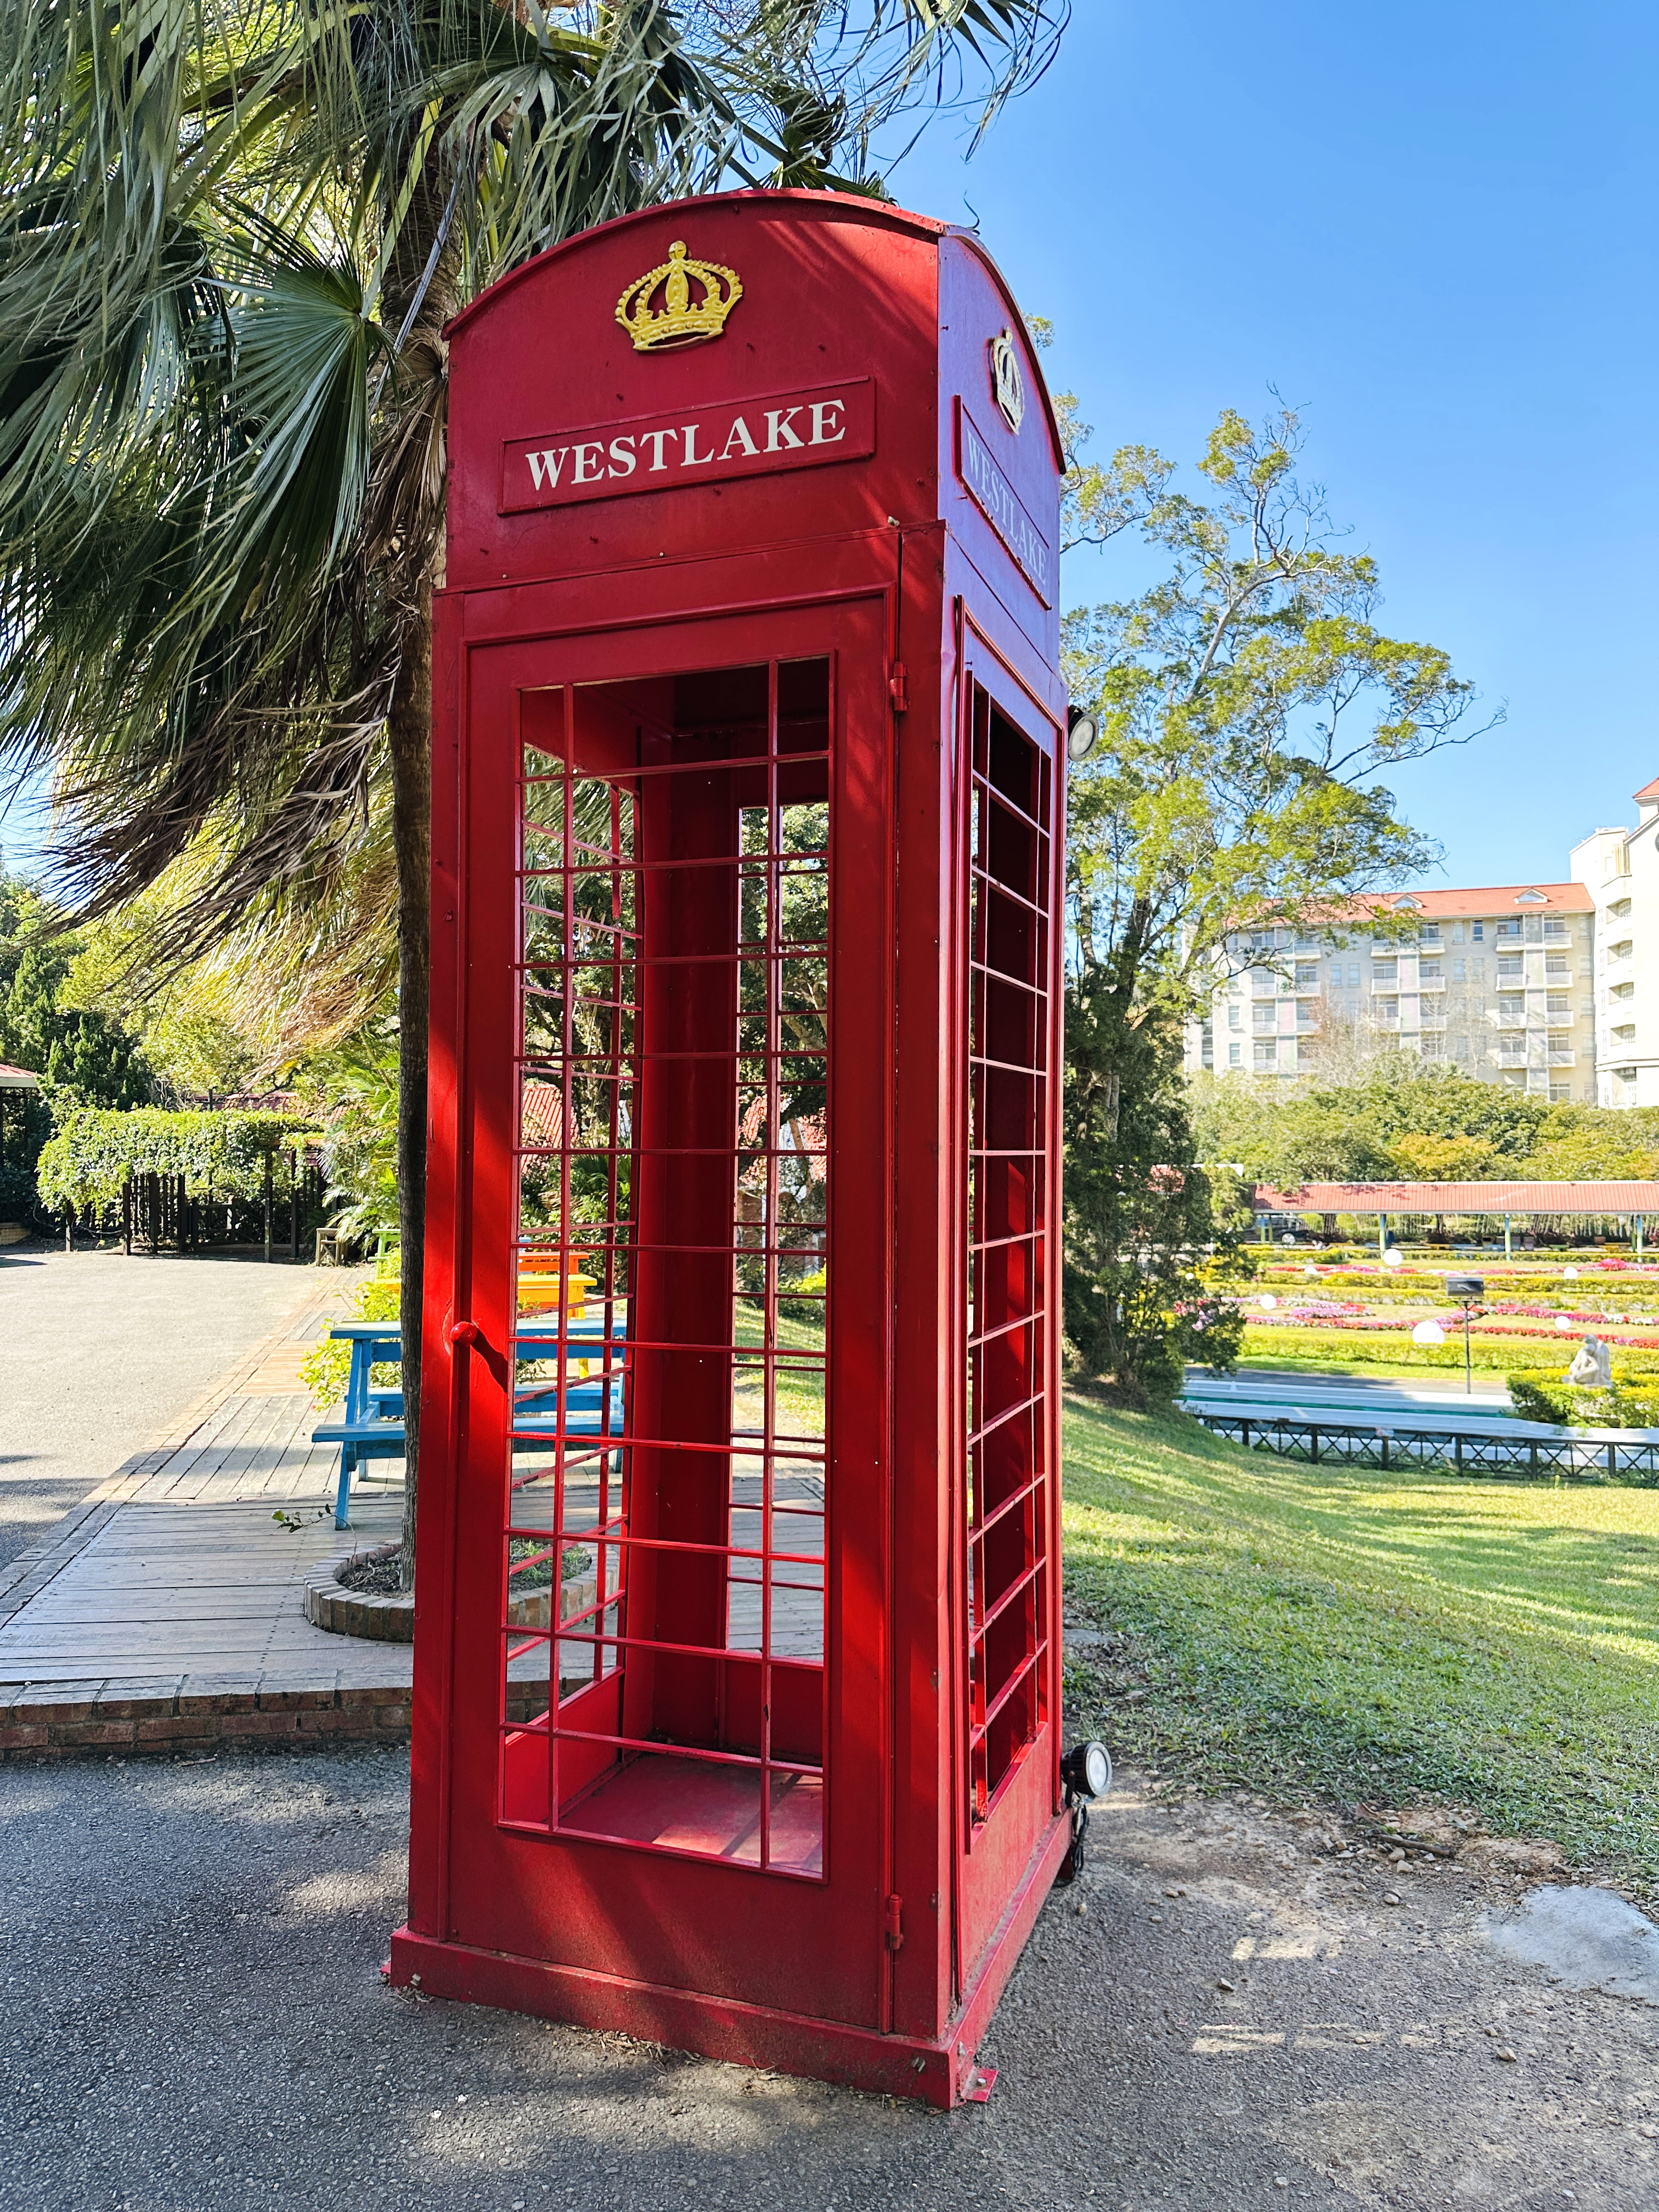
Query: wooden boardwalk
{"points": [[174, 1587], [177, 1568]]}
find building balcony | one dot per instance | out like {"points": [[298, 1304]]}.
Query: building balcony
{"points": [[1558, 1058], [1432, 983]]}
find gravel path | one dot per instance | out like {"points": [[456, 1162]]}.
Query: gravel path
{"points": [[193, 2017], [99, 1353]]}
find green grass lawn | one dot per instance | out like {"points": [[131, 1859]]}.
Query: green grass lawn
{"points": [[1365, 1637]]}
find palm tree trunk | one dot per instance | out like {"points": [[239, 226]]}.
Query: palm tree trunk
{"points": [[409, 734]]}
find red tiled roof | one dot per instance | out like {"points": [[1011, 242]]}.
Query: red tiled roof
{"points": [[18, 1078], [1484, 900], [1461, 1198], [1648, 791], [1496, 899]]}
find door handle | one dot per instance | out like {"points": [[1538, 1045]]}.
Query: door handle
{"points": [[463, 1332]]}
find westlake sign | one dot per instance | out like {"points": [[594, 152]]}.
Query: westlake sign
{"points": [[982, 475], [666, 452]]}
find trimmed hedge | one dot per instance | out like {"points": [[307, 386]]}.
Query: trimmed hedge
{"points": [[1491, 1354], [95, 1150], [1616, 1284], [1541, 1394]]}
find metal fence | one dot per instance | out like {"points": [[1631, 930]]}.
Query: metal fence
{"points": [[1576, 1456]]}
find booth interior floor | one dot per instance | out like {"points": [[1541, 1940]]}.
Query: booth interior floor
{"points": [[698, 1805]]}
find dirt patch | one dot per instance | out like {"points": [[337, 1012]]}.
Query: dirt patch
{"points": [[1304, 2001], [374, 1574]]}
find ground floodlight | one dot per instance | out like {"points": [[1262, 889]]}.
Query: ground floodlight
{"points": [[1086, 1770]]}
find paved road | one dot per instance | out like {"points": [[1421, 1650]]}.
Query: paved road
{"points": [[193, 2018], [1273, 1386], [99, 1353]]}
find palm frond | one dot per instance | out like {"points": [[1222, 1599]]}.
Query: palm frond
{"points": [[231, 232]]}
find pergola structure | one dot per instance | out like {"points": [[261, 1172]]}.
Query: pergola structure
{"points": [[1624, 1201]]}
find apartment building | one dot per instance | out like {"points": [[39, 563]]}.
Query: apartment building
{"points": [[1500, 981], [1619, 869]]}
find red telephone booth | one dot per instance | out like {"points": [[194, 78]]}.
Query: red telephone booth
{"points": [[737, 1649]]}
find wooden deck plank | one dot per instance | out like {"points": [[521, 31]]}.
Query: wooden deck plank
{"points": [[183, 1587]]}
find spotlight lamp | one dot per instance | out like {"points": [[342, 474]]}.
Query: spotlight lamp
{"points": [[1086, 1771], [1082, 734]]}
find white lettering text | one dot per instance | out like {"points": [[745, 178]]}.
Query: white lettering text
{"points": [[739, 439], [778, 432]]}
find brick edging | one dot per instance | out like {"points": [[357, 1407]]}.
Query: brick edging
{"points": [[328, 1604], [193, 1714]]}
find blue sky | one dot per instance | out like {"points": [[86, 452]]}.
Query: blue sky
{"points": [[1432, 229]]}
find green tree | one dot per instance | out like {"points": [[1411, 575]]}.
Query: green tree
{"points": [[1592, 1144], [1444, 1160], [1429, 1124], [86, 1054], [1247, 702], [185, 1021], [230, 237], [1149, 1233]]}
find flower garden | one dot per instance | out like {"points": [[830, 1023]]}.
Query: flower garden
{"points": [[1339, 1311]]}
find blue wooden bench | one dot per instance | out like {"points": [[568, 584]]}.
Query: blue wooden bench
{"points": [[372, 1423]]}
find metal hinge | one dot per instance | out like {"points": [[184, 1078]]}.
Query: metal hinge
{"points": [[898, 687], [895, 1923]]}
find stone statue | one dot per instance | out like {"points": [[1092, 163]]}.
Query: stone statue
{"points": [[1592, 1366]]}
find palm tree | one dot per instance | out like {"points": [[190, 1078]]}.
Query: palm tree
{"points": [[230, 237]]}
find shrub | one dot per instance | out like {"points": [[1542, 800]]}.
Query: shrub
{"points": [[96, 1151], [802, 1306], [1540, 1394], [17, 1194], [326, 1366]]}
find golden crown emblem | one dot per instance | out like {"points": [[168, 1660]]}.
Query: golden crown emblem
{"points": [[1007, 385], [678, 322]]}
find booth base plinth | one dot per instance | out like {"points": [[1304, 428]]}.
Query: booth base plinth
{"points": [[939, 2072]]}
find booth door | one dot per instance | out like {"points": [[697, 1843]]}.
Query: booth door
{"points": [[674, 1481], [1008, 1535]]}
